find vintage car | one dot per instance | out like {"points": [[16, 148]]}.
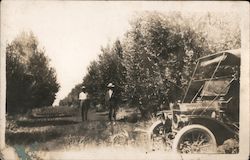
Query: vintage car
{"points": [[208, 114]]}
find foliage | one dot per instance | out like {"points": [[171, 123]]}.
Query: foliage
{"points": [[111, 70], [153, 63], [160, 52], [72, 97], [157, 51], [31, 82], [108, 69]]}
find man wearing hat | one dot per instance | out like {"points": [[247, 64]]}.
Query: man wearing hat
{"points": [[110, 100], [83, 103]]}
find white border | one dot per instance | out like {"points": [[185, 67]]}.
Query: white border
{"points": [[241, 7]]}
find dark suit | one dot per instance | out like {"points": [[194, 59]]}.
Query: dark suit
{"points": [[111, 103]]}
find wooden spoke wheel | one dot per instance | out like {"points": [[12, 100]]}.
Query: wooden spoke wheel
{"points": [[194, 139]]}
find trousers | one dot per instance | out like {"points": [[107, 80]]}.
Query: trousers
{"points": [[112, 110], [84, 107]]}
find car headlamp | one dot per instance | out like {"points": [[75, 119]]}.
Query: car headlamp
{"points": [[183, 118]]}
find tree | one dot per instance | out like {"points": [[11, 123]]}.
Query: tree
{"points": [[72, 98], [44, 78], [93, 82], [108, 69], [31, 82], [111, 67], [154, 62], [160, 52]]}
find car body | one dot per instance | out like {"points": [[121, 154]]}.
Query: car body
{"points": [[210, 105]]}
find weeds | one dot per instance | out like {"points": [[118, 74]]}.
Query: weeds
{"points": [[68, 133], [47, 112]]}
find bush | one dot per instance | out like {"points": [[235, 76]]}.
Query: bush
{"points": [[54, 112]]}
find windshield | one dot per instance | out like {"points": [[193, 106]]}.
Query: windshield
{"points": [[213, 74], [204, 73], [220, 65], [215, 88]]}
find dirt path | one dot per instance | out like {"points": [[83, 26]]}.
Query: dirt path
{"points": [[97, 116]]}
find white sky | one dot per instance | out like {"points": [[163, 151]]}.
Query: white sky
{"points": [[72, 32]]}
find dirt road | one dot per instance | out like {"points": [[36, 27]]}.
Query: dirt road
{"points": [[97, 116]]}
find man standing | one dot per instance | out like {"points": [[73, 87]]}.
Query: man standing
{"points": [[110, 99], [83, 103]]}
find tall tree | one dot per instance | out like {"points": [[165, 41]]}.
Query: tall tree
{"points": [[160, 52], [31, 82], [154, 62], [108, 69], [72, 99]]}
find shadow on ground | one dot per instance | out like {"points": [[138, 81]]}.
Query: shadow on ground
{"points": [[13, 138], [41, 123]]}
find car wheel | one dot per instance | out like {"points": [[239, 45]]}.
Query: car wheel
{"points": [[194, 139]]}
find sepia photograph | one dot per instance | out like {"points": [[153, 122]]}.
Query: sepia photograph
{"points": [[121, 80]]}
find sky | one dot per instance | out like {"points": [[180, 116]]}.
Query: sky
{"points": [[72, 32]]}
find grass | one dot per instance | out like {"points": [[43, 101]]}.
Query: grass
{"points": [[35, 135], [71, 137], [45, 122], [52, 112]]}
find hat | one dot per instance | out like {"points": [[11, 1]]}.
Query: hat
{"points": [[83, 87], [110, 85]]}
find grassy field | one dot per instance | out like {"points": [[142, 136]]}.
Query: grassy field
{"points": [[56, 132], [63, 130]]}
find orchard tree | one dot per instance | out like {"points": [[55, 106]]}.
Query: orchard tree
{"points": [[153, 63], [44, 78], [107, 69], [160, 52], [31, 82], [72, 99], [93, 82], [154, 51], [111, 67]]}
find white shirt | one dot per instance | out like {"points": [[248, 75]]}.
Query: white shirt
{"points": [[82, 96], [110, 93]]}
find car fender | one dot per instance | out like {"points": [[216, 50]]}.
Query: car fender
{"points": [[220, 130]]}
